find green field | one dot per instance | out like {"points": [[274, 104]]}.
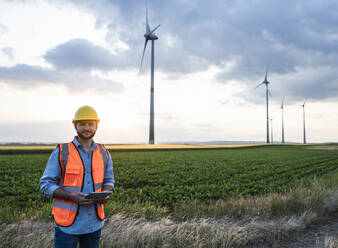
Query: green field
{"points": [[165, 179]]}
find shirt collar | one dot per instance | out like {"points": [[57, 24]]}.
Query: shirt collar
{"points": [[78, 145]]}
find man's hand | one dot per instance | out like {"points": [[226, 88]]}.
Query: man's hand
{"points": [[107, 198], [80, 199], [103, 200]]}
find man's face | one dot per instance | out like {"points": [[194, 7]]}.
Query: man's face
{"points": [[85, 129]]}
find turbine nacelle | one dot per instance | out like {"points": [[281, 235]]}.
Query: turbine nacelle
{"points": [[265, 81], [282, 106], [150, 36]]}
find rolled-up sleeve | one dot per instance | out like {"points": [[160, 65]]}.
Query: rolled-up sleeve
{"points": [[51, 176], [108, 179]]}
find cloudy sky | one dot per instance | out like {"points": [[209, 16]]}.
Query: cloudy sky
{"points": [[58, 55]]}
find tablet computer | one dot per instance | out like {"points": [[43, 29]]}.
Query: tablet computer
{"points": [[98, 195]]}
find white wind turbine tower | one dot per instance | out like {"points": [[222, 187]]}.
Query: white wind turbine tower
{"points": [[149, 35], [271, 132], [266, 82], [282, 107], [304, 133]]}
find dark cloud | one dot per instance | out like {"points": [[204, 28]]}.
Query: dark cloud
{"points": [[314, 85], [293, 36], [27, 76], [80, 54], [73, 63]]}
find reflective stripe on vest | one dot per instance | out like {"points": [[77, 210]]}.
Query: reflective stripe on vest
{"points": [[72, 176]]}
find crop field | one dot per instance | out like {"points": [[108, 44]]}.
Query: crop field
{"points": [[167, 178]]}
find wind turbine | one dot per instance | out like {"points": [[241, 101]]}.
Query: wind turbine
{"points": [[304, 133], [282, 107], [149, 35], [266, 82], [271, 132]]}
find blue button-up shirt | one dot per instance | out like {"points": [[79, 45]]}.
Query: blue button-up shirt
{"points": [[86, 221]]}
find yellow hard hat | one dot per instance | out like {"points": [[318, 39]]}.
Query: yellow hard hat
{"points": [[86, 113]]}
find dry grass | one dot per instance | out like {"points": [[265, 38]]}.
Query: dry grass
{"points": [[120, 231], [317, 198], [127, 232], [27, 234]]}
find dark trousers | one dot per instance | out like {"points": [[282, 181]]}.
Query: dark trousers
{"points": [[65, 240]]}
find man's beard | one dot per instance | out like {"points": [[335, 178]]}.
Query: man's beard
{"points": [[86, 137]]}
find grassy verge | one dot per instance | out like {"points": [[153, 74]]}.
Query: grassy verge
{"points": [[294, 202]]}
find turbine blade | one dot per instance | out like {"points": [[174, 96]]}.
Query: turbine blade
{"points": [[267, 71], [147, 22], [259, 85], [283, 102], [154, 29], [144, 49]]}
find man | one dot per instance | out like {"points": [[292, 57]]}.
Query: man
{"points": [[74, 170]]}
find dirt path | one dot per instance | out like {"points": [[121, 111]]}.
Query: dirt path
{"points": [[322, 235]]}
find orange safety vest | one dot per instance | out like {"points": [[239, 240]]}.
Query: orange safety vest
{"points": [[72, 174]]}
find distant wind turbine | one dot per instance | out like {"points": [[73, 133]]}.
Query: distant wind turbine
{"points": [[149, 35], [266, 82], [271, 132], [282, 107], [304, 133]]}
